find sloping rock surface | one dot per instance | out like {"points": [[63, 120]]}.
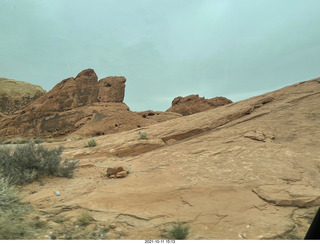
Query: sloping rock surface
{"points": [[15, 95], [247, 170], [194, 104]]}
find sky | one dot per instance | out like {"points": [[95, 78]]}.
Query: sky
{"points": [[164, 48]]}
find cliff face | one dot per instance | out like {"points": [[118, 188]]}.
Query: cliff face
{"points": [[15, 95], [80, 106]]}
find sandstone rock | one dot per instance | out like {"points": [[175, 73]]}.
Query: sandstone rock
{"points": [[15, 95], [114, 170], [111, 89], [207, 175], [121, 174], [117, 172], [289, 195], [79, 106], [194, 104], [259, 135], [158, 116]]}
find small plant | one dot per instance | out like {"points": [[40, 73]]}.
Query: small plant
{"points": [[143, 136], [90, 143], [38, 140], [19, 140], [31, 162], [85, 218], [12, 212], [59, 219], [179, 231]]}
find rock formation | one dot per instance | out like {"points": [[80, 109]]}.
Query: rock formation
{"points": [[80, 106], [158, 116], [246, 170], [15, 95], [194, 104]]}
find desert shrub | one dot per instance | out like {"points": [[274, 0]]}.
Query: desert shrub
{"points": [[31, 162], [85, 218], [179, 231], [38, 140], [12, 212], [91, 143], [143, 136], [59, 219], [19, 140]]}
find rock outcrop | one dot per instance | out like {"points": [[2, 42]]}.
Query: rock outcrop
{"points": [[15, 95], [117, 172], [246, 170], [158, 116], [194, 104], [80, 106]]}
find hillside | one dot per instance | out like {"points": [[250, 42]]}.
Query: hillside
{"points": [[246, 170], [14, 95]]}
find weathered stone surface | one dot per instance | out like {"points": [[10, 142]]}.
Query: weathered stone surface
{"points": [[209, 175], [15, 95], [111, 89], [259, 135], [289, 195], [194, 104], [117, 172], [121, 174], [158, 116]]}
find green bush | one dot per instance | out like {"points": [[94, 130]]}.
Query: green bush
{"points": [[179, 231], [85, 218], [12, 212], [91, 143], [31, 162], [143, 136]]}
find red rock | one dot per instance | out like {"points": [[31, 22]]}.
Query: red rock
{"points": [[194, 104], [76, 107], [121, 174]]}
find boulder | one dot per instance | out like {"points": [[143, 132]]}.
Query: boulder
{"points": [[121, 174], [117, 172], [194, 104]]}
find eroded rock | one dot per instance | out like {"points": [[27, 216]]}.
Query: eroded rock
{"points": [[260, 135], [289, 195], [194, 104], [117, 172]]}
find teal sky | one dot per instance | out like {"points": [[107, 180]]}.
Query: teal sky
{"points": [[165, 48]]}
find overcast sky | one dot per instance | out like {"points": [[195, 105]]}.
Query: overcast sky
{"points": [[165, 48]]}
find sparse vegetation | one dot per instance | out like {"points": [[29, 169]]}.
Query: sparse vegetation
{"points": [[84, 218], [91, 143], [38, 140], [12, 213], [76, 232], [143, 136], [16, 140], [59, 219], [179, 231], [51, 140], [31, 162]]}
